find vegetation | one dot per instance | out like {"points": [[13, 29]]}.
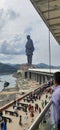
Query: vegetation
{"points": [[6, 69], [9, 68]]}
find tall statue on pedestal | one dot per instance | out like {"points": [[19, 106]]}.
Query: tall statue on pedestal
{"points": [[29, 49]]}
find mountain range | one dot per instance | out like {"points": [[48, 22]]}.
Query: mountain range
{"points": [[42, 65], [7, 69], [11, 68]]}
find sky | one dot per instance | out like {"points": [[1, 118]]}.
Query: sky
{"points": [[18, 18]]}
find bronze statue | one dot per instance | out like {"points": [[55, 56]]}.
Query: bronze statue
{"points": [[29, 49]]}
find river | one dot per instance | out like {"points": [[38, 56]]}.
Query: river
{"points": [[12, 80], [9, 78]]}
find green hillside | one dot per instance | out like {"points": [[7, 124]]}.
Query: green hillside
{"points": [[5, 68]]}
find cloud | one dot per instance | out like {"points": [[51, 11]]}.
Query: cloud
{"points": [[12, 47], [2, 21], [1, 13], [5, 57], [28, 30], [17, 19], [6, 16], [11, 14], [4, 47], [17, 38]]}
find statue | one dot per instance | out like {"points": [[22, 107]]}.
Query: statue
{"points": [[29, 49]]}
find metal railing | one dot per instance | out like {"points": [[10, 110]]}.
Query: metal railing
{"points": [[44, 121]]}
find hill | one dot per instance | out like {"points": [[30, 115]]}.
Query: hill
{"points": [[7, 69], [42, 65], [11, 68]]}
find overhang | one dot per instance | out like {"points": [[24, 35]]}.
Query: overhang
{"points": [[49, 10]]}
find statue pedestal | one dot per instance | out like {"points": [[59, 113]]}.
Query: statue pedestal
{"points": [[26, 67], [25, 73]]}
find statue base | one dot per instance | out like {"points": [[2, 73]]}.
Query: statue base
{"points": [[27, 66]]}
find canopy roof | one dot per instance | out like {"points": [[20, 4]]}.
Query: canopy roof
{"points": [[49, 10]]}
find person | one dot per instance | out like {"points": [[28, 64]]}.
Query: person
{"points": [[26, 118], [1, 113], [29, 49], [45, 102], [32, 115], [4, 125], [15, 108], [39, 109], [42, 104], [20, 120], [56, 99]]}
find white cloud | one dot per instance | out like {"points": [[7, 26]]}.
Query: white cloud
{"points": [[17, 19]]}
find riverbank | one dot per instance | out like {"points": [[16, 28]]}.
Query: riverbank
{"points": [[7, 78], [23, 86]]}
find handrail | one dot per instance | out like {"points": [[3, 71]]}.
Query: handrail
{"points": [[18, 99], [36, 123]]}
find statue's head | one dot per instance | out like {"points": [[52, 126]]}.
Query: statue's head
{"points": [[28, 36]]}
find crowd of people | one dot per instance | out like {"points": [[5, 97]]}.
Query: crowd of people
{"points": [[35, 107]]}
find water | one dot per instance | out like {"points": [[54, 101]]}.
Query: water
{"points": [[12, 80], [9, 78]]}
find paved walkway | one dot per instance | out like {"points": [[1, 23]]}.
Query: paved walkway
{"points": [[25, 125]]}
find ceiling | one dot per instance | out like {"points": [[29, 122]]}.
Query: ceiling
{"points": [[49, 10]]}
